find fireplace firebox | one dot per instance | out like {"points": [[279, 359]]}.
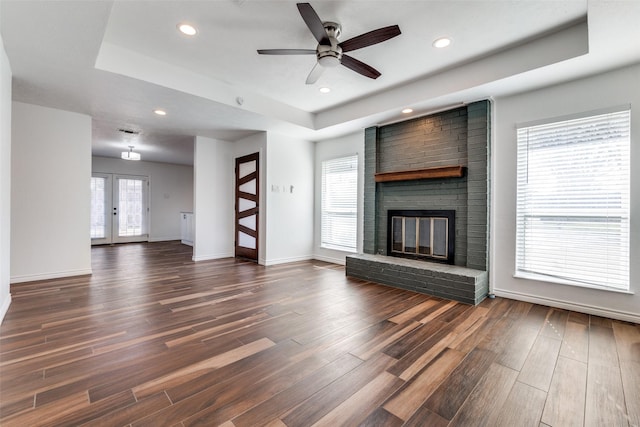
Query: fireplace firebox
{"points": [[421, 234]]}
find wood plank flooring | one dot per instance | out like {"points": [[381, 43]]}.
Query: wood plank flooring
{"points": [[154, 339]]}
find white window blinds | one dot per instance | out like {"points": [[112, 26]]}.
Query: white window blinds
{"points": [[573, 201], [339, 203]]}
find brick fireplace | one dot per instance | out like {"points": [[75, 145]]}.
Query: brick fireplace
{"points": [[433, 163]]}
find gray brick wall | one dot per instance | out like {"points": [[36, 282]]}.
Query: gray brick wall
{"points": [[478, 126], [370, 166], [425, 142]]}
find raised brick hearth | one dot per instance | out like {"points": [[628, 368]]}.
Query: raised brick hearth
{"points": [[447, 281]]}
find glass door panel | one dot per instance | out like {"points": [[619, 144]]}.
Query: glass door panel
{"points": [[100, 209], [130, 211]]}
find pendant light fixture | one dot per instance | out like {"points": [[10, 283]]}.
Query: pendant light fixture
{"points": [[130, 155]]}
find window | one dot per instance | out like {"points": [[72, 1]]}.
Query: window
{"points": [[573, 201], [339, 204]]}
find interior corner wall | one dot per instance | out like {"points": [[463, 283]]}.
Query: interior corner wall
{"points": [[213, 203], [327, 150], [50, 193], [5, 181], [170, 192], [609, 89], [289, 199]]}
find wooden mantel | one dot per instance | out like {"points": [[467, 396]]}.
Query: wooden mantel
{"points": [[429, 173]]}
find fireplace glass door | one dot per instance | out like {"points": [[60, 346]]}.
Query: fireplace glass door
{"points": [[420, 236]]}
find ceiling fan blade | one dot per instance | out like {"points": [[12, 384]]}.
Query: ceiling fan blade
{"points": [[286, 51], [314, 23], [360, 67], [372, 37], [315, 74]]}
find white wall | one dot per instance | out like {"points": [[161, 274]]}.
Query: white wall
{"points": [[213, 204], [289, 204], [606, 90], [5, 181], [50, 194], [327, 150], [285, 230], [171, 192]]}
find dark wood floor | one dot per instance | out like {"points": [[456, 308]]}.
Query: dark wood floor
{"points": [[153, 339]]}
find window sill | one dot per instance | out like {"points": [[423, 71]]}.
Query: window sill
{"points": [[339, 248], [558, 281]]}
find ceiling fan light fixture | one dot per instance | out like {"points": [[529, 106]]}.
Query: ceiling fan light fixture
{"points": [[130, 155], [441, 42], [187, 29], [329, 61], [329, 56]]}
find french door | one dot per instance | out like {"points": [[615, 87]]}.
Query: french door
{"points": [[247, 206], [119, 208]]}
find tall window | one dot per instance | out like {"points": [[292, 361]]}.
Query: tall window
{"points": [[339, 204], [573, 201]]}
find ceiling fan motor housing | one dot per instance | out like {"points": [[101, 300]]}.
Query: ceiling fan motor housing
{"points": [[331, 54]]}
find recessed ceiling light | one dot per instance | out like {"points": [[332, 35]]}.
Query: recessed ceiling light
{"points": [[325, 90], [187, 29], [441, 42], [407, 111], [160, 112]]}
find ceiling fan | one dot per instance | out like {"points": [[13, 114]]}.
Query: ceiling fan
{"points": [[330, 52]]}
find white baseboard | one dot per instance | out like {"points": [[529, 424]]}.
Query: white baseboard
{"points": [[567, 305], [287, 260], [5, 307], [340, 261], [47, 276], [213, 256], [163, 239]]}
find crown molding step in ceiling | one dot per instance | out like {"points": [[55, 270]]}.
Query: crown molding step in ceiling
{"points": [[100, 59]]}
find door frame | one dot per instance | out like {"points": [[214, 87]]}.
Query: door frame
{"points": [[240, 251], [108, 203], [144, 237], [112, 209]]}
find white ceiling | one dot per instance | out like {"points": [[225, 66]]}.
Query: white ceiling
{"points": [[119, 60]]}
